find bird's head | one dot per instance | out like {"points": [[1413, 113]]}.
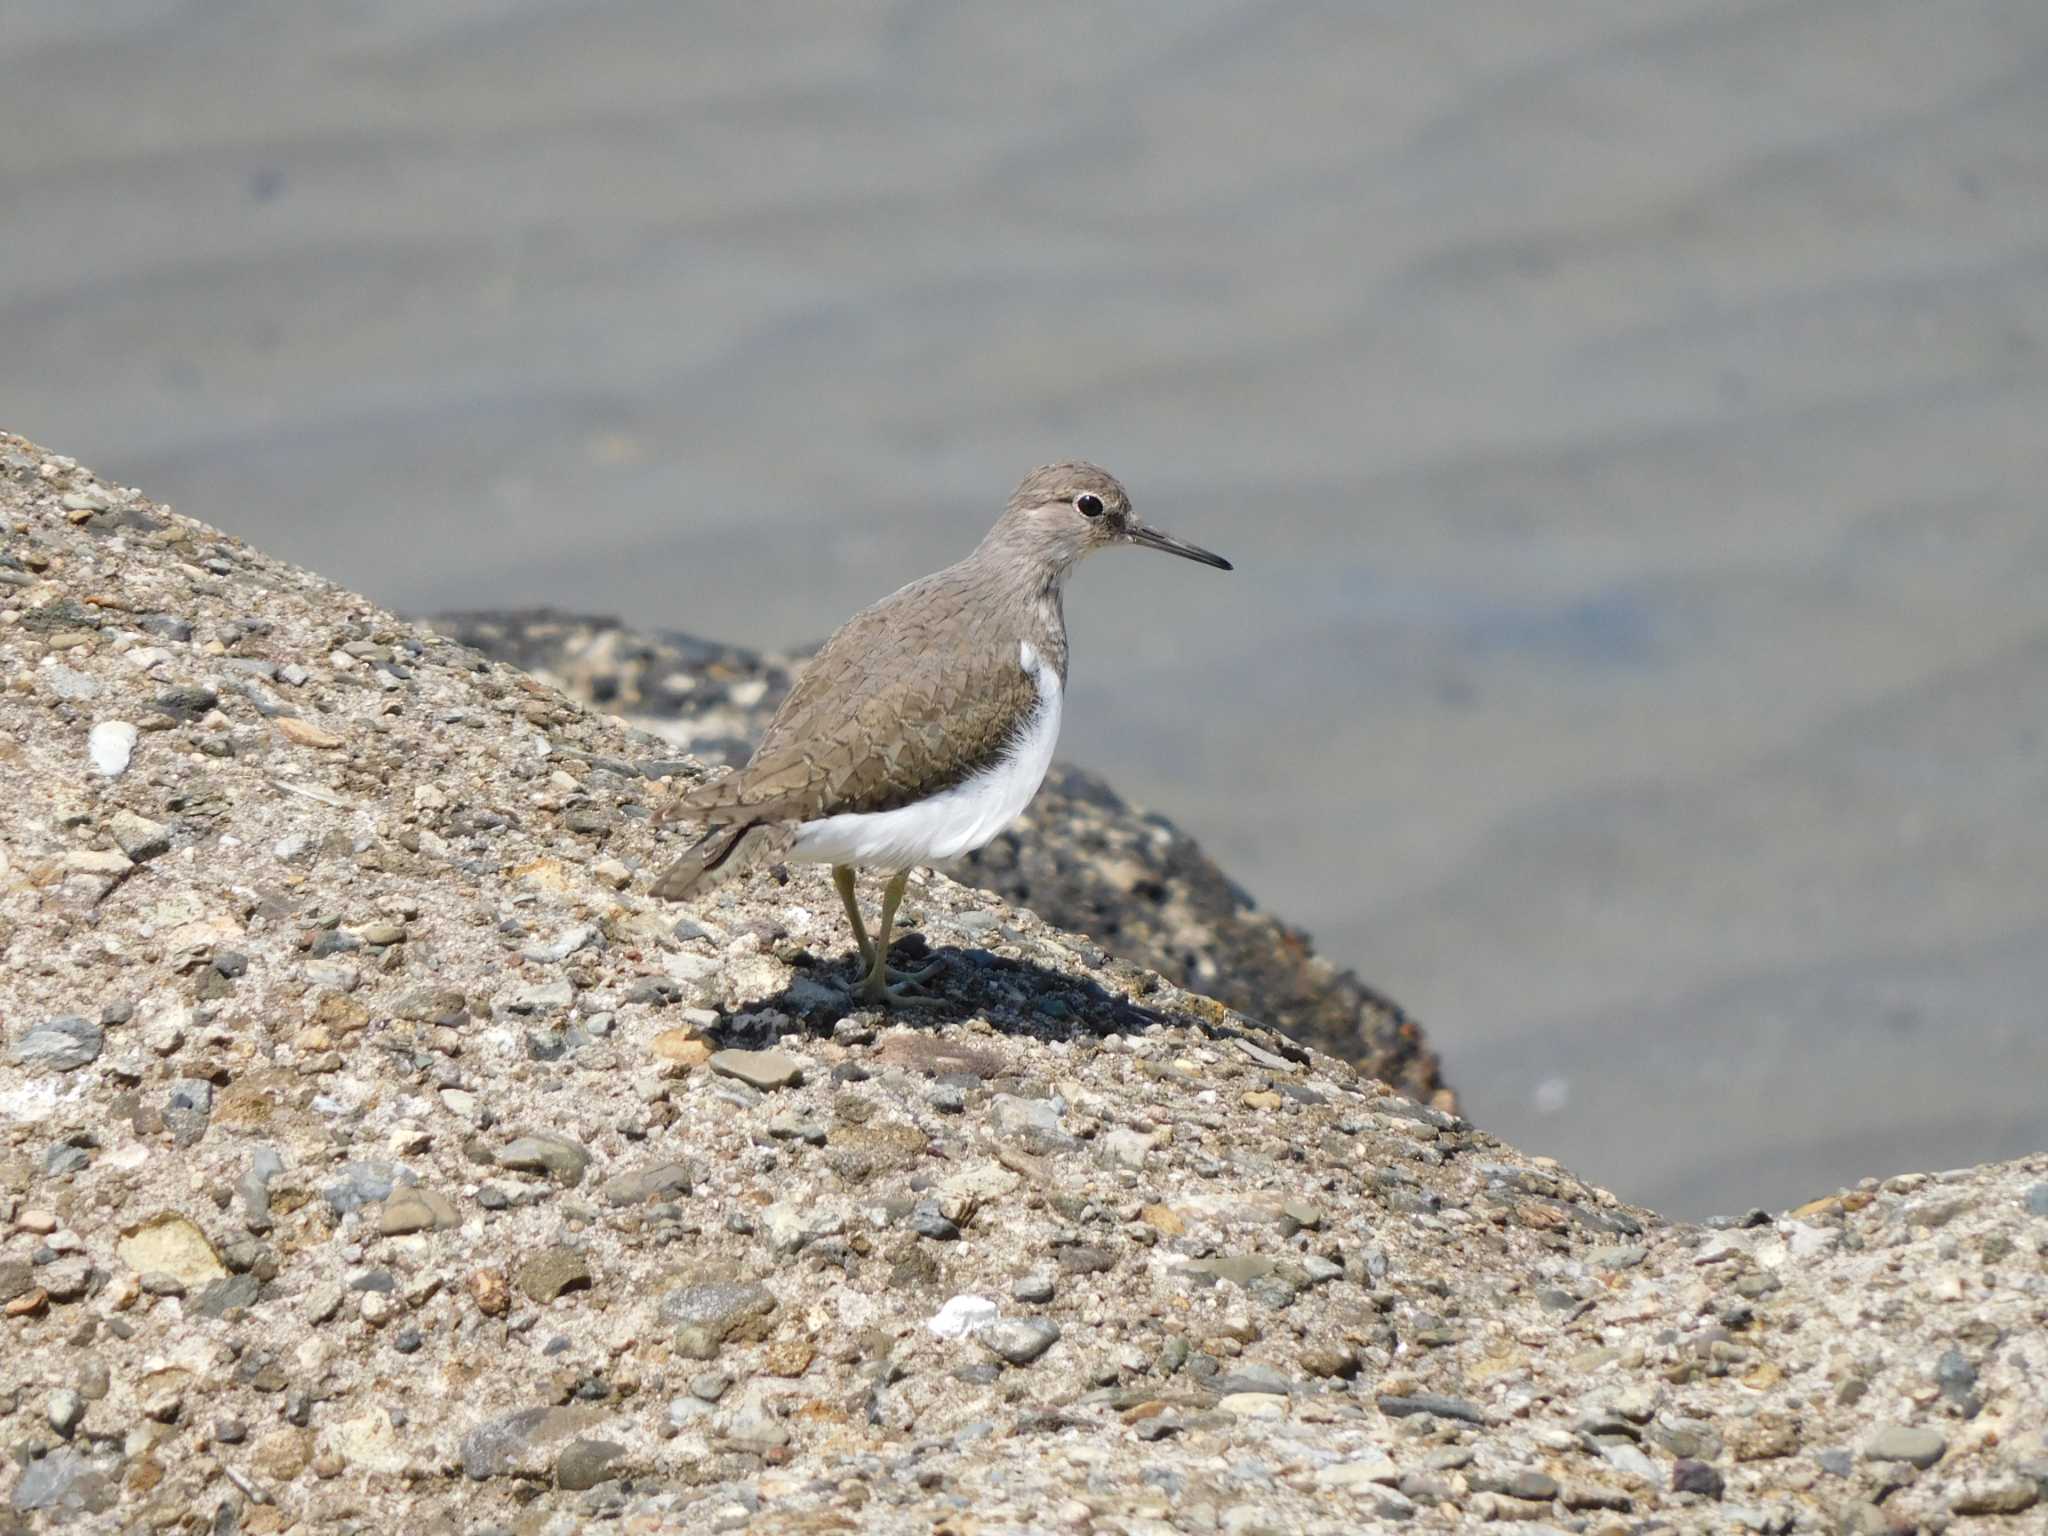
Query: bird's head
{"points": [[1066, 511]]}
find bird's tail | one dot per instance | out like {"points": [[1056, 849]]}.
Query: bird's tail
{"points": [[720, 854]]}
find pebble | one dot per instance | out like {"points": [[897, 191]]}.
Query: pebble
{"points": [[562, 946], [1255, 1378], [1688, 1476], [1908, 1443], [760, 1070], [1357, 1476], [714, 1310], [69, 684], [1253, 1405], [65, 1411], [559, 1158], [1020, 1340], [517, 1442], [927, 1220], [791, 1226], [553, 1271], [138, 837], [415, 1209], [62, 1044], [2005, 1496], [662, 1181], [584, 1464], [1035, 1289], [228, 1295], [1446, 1408], [64, 1480], [962, 1316]]}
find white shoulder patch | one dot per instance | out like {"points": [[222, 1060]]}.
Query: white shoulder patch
{"points": [[1027, 657]]}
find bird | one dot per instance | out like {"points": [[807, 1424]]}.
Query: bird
{"points": [[925, 725]]}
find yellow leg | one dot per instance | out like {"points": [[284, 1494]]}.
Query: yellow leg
{"points": [[874, 987], [842, 876]]}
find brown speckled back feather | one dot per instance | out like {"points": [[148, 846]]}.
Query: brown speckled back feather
{"points": [[887, 714]]}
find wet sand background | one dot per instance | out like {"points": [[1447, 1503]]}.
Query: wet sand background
{"points": [[1628, 419]]}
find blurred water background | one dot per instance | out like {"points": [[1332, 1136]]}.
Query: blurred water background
{"points": [[1629, 417]]}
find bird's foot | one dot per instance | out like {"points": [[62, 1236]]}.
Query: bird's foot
{"points": [[885, 986]]}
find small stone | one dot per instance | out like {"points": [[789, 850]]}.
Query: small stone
{"points": [[559, 1158], [1300, 1215], [1164, 1220], [514, 1442], [552, 1271], [62, 1044], [282, 1454], [710, 1385], [110, 745], [926, 1220], [322, 1302], [305, 733], [225, 1296], [2007, 1496], [680, 1047], [562, 946], [382, 935], [65, 1411], [1019, 1341], [1396, 1406], [788, 1357], [489, 1290], [1255, 1378], [791, 1226], [170, 1245], [1021, 1117], [1125, 1149], [1253, 1405], [557, 996], [763, 1070], [139, 837], [411, 1209], [63, 1481], [1330, 1361], [796, 1128], [584, 1464], [1357, 1476], [1903, 1442], [69, 684], [663, 1181], [185, 704], [1688, 1476], [962, 1316], [1035, 1289], [712, 1311]]}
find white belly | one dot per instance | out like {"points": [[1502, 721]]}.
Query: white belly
{"points": [[954, 821]]}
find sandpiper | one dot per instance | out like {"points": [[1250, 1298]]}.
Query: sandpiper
{"points": [[926, 724]]}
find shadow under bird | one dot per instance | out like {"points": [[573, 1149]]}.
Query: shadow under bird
{"points": [[926, 724]]}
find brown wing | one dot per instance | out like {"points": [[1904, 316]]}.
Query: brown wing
{"points": [[885, 715]]}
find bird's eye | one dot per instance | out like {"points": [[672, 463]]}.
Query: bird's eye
{"points": [[1088, 504]]}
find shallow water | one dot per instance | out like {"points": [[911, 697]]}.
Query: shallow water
{"points": [[1626, 420]]}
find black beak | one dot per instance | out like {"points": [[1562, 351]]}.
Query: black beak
{"points": [[1152, 538]]}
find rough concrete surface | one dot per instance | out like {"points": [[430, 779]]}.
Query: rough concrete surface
{"points": [[377, 1158]]}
